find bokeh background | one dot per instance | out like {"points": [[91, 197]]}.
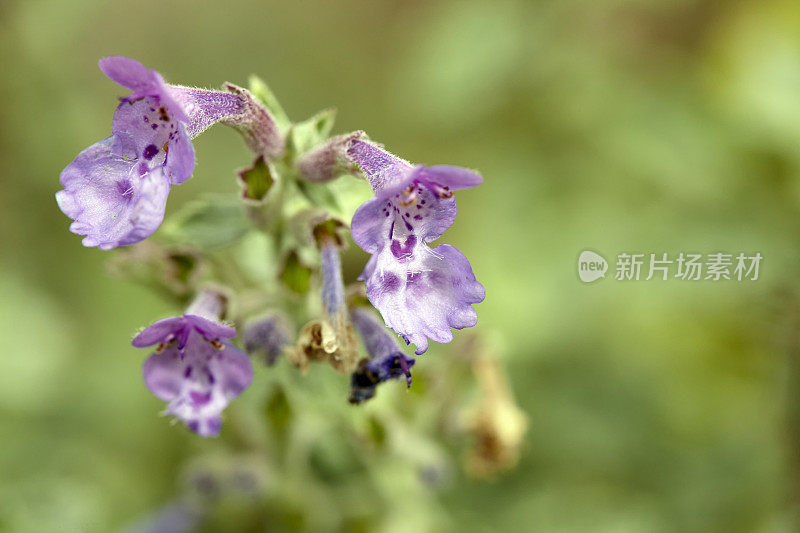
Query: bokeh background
{"points": [[615, 125]]}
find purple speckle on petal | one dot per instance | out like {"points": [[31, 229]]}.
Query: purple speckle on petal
{"points": [[150, 151], [390, 283], [125, 189], [200, 398], [403, 251]]}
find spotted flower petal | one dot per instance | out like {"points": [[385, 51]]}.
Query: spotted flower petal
{"points": [[113, 201], [148, 131], [198, 382], [423, 297], [378, 221]]}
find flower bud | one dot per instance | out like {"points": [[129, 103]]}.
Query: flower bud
{"points": [[267, 336], [257, 125]]}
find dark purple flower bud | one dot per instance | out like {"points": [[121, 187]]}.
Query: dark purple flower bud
{"points": [[385, 362], [267, 336], [328, 160], [192, 370], [116, 190], [421, 291]]}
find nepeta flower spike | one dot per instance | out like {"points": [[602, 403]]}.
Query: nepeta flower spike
{"points": [[192, 370], [116, 190], [385, 362], [421, 292]]}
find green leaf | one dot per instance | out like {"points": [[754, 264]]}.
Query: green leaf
{"points": [[262, 91], [277, 410], [309, 133], [209, 222], [257, 180], [377, 431], [295, 275], [319, 195]]}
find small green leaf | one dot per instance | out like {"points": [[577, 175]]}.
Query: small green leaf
{"points": [[295, 275], [209, 222], [257, 180], [262, 91], [319, 195], [309, 133], [277, 410], [330, 228], [377, 432]]}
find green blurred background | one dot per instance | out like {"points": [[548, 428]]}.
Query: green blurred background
{"points": [[616, 125]]}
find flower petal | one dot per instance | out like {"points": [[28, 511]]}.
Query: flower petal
{"points": [[233, 369], [158, 332], [163, 374], [209, 328], [371, 224], [454, 178], [112, 203], [180, 157], [423, 297], [129, 73]]}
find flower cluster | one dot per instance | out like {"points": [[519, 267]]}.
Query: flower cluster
{"points": [[115, 191]]}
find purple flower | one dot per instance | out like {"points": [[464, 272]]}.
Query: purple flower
{"points": [[385, 362], [421, 291], [116, 190], [192, 370], [198, 382]]}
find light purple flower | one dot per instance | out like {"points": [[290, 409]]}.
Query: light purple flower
{"points": [[116, 190], [420, 291], [198, 382], [385, 361], [191, 369]]}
